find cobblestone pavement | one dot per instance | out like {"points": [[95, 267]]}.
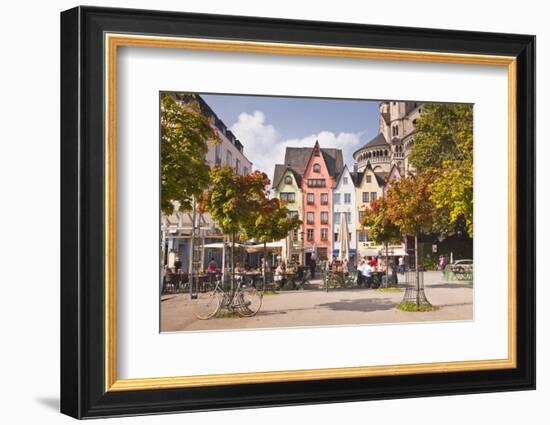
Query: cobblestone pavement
{"points": [[337, 307]]}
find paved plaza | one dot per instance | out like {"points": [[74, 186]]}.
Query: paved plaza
{"points": [[454, 300]]}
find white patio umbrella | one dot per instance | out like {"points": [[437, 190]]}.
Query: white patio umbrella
{"points": [[344, 239]]}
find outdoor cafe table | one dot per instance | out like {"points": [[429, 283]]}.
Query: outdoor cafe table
{"points": [[250, 276]]}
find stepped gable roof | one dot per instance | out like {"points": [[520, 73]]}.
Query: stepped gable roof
{"points": [[378, 140], [279, 172], [297, 159]]}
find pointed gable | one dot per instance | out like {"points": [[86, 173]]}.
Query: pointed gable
{"points": [[298, 159], [394, 174]]}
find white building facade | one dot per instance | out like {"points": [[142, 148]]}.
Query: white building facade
{"points": [[177, 227], [344, 203]]}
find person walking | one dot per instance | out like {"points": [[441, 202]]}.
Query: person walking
{"points": [[312, 266], [442, 263], [401, 265]]}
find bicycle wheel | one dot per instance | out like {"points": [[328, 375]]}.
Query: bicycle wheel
{"points": [[250, 301], [206, 304]]}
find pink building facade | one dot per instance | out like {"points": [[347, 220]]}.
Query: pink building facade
{"points": [[317, 185]]}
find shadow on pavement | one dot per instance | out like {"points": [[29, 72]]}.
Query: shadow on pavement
{"points": [[374, 304]]}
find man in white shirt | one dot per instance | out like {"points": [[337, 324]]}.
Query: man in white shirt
{"points": [[366, 271]]}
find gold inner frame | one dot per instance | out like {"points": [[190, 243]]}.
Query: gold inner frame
{"points": [[113, 41]]}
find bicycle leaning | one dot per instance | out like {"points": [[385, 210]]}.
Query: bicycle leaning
{"points": [[245, 300]]}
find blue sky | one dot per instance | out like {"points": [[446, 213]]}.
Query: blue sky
{"points": [[267, 125]]}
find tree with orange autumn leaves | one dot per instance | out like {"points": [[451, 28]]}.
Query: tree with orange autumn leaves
{"points": [[241, 204]]}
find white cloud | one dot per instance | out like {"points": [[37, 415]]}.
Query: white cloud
{"points": [[264, 146]]}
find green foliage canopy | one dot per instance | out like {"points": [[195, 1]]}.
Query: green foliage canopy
{"points": [[443, 149], [184, 136]]}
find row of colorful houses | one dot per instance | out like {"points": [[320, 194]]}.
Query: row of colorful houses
{"points": [[318, 187]]}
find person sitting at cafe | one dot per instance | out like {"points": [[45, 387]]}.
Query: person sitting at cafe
{"points": [[373, 262], [212, 266], [366, 271], [360, 278], [345, 267], [279, 275], [212, 270]]}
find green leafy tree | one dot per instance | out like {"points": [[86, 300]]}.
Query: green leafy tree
{"points": [[409, 206], [184, 135], [271, 222], [232, 201], [443, 148]]}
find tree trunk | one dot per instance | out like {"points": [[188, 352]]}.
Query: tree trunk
{"points": [[416, 272], [223, 262], [265, 265], [233, 262], [386, 264], [192, 248]]}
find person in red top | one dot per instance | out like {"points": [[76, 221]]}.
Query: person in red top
{"points": [[373, 262], [212, 266]]}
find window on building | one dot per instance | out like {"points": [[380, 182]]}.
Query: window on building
{"points": [[288, 180], [218, 154], [246, 171], [310, 234], [362, 236], [324, 234], [348, 217], [310, 198], [293, 213], [336, 217], [345, 180], [316, 182], [347, 198], [365, 197], [288, 197], [336, 198], [238, 166], [369, 178], [310, 218], [324, 198], [361, 216], [324, 217], [229, 158], [295, 235], [336, 237], [373, 196], [316, 168], [349, 236]]}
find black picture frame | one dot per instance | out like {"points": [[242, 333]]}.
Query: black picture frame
{"points": [[83, 392]]}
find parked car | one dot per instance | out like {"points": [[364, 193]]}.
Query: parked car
{"points": [[462, 266]]}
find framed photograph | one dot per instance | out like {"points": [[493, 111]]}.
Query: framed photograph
{"points": [[261, 212]]}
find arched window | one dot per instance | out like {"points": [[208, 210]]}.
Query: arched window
{"points": [[288, 180], [316, 168], [386, 152]]}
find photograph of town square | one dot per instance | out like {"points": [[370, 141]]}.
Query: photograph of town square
{"points": [[283, 212]]}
